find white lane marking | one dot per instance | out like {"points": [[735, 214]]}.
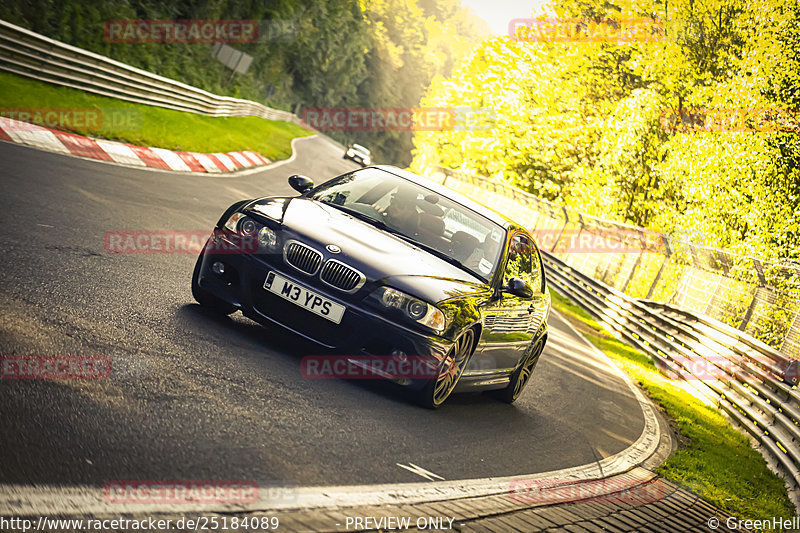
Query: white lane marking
{"points": [[418, 470], [652, 446], [294, 153]]}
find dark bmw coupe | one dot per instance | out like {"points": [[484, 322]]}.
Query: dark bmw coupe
{"points": [[384, 264]]}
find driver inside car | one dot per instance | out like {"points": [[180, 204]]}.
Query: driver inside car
{"points": [[476, 260], [401, 213]]}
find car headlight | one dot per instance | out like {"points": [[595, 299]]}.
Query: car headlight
{"points": [[232, 223], [248, 228], [414, 309], [267, 237]]}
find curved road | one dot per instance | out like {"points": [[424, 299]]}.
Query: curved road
{"points": [[197, 397]]}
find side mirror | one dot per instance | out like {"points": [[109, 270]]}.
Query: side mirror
{"points": [[519, 288], [301, 184]]}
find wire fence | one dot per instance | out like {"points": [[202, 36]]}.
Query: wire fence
{"points": [[758, 298]]}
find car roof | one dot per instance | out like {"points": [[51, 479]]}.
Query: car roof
{"points": [[491, 214], [359, 147]]}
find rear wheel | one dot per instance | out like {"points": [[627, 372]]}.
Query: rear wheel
{"points": [[522, 374], [205, 298], [450, 368]]}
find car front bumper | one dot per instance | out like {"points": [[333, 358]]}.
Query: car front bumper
{"points": [[361, 332]]}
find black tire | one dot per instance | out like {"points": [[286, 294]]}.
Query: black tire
{"points": [[522, 374], [437, 390], [205, 298]]}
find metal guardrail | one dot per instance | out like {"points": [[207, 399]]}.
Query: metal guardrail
{"points": [[760, 298], [749, 381], [35, 56]]}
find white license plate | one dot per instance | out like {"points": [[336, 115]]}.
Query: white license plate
{"points": [[299, 295]]}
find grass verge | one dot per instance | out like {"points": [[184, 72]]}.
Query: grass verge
{"points": [[145, 125], [713, 460]]}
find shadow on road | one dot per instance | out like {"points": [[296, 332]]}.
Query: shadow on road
{"points": [[291, 348]]}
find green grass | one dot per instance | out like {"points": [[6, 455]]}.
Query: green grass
{"points": [[150, 126], [713, 460]]}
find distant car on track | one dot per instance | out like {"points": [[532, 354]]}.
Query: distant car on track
{"points": [[382, 262], [358, 154]]}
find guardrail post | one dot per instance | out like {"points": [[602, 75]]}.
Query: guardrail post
{"points": [[749, 313], [566, 221], [795, 324], [632, 272], [667, 255], [713, 294]]}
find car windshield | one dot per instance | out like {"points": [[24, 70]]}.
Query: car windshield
{"points": [[441, 225]]}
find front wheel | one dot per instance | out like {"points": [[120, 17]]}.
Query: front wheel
{"points": [[450, 368], [522, 374], [205, 298]]}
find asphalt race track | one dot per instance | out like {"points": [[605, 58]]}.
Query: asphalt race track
{"points": [[196, 397]]}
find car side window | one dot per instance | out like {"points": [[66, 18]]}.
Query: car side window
{"points": [[523, 262]]}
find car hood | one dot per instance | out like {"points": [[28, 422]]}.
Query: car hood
{"points": [[381, 256]]}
